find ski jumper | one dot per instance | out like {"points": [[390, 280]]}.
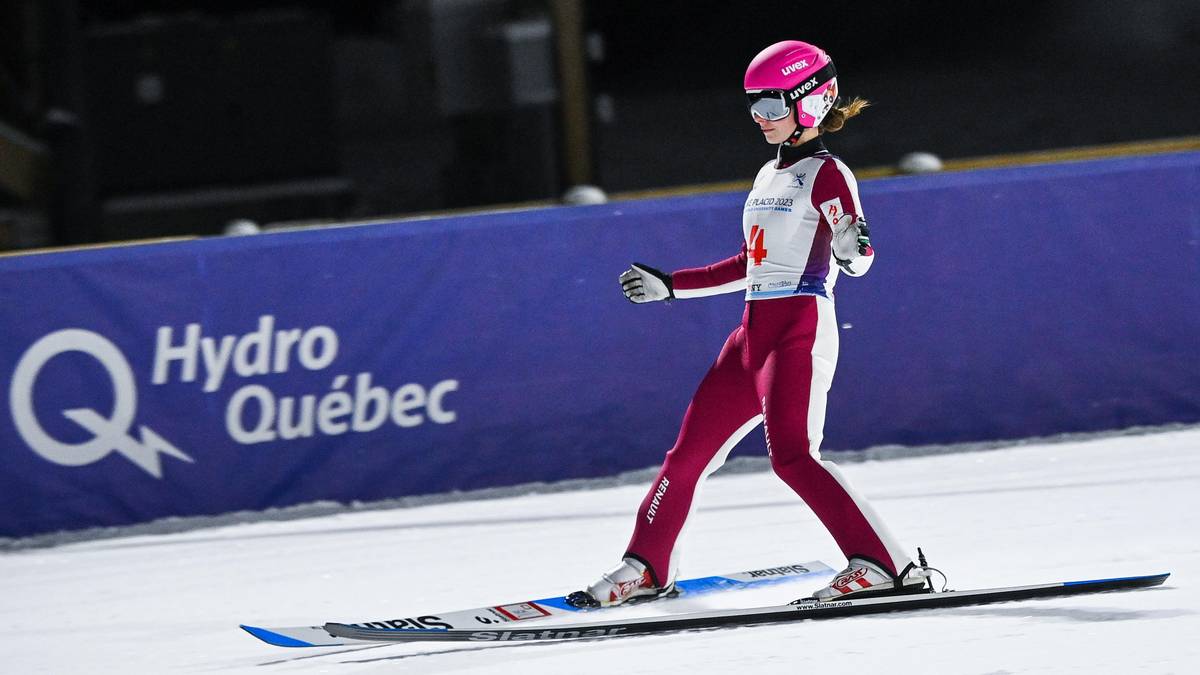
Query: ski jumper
{"points": [[775, 368]]}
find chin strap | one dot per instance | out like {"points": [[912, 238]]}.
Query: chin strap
{"points": [[794, 139]]}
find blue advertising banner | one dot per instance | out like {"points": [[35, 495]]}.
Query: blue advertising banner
{"points": [[377, 361]]}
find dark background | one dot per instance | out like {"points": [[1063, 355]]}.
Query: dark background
{"points": [[122, 120]]}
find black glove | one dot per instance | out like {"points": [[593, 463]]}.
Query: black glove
{"points": [[642, 283]]}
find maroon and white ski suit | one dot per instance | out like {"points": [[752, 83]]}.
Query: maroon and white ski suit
{"points": [[776, 367]]}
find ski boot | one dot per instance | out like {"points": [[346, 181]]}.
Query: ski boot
{"points": [[630, 581], [863, 577]]}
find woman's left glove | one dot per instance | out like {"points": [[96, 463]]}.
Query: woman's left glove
{"points": [[851, 238], [642, 283]]}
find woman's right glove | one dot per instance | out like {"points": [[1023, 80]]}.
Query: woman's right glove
{"points": [[642, 283]]}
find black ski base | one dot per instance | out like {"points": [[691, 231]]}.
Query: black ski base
{"points": [[830, 609]]}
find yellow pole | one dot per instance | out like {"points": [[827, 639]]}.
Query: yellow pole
{"points": [[572, 74]]}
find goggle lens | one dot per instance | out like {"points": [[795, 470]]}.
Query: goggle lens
{"points": [[769, 105]]}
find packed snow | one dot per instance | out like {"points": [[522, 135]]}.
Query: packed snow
{"points": [[1107, 507]]}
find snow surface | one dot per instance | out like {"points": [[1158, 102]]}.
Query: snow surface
{"points": [[1109, 507]]}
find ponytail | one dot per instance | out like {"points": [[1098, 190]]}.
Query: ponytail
{"points": [[836, 118]]}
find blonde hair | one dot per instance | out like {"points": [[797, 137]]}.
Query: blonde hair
{"points": [[836, 118]]}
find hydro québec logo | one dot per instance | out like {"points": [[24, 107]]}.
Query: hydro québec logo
{"points": [[254, 413], [110, 434]]}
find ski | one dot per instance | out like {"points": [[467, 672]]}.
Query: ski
{"points": [[465, 619], [799, 611]]}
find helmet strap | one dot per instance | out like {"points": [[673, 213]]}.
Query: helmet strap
{"points": [[794, 139]]}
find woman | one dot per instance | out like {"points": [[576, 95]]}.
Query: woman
{"points": [[803, 225]]}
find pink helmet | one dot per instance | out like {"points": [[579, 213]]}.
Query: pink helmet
{"points": [[798, 71]]}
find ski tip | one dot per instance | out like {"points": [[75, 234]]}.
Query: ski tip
{"points": [[273, 638], [1144, 581]]}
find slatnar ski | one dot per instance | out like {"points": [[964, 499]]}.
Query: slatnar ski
{"points": [[498, 615], [745, 617]]}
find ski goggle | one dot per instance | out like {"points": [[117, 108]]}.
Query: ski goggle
{"points": [[772, 104], [768, 104]]}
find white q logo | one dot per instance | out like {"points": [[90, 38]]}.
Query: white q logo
{"points": [[108, 434]]}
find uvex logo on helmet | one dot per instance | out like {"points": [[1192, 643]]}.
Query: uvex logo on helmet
{"points": [[788, 70], [803, 89]]}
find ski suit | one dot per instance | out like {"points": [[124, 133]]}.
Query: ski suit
{"points": [[775, 368]]}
